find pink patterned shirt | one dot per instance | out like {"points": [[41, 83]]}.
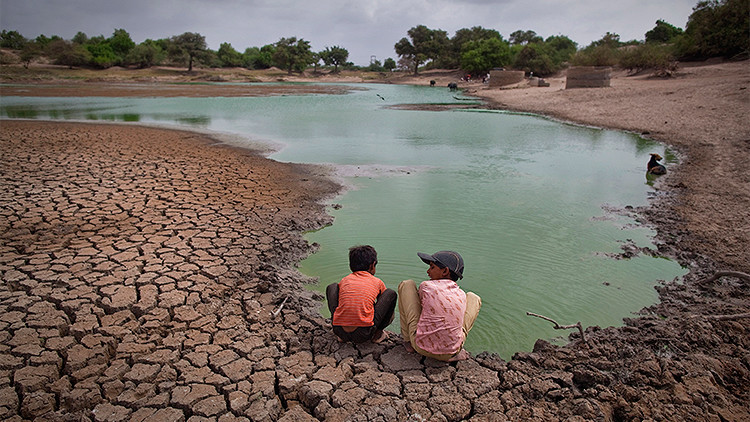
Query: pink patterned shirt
{"points": [[440, 326]]}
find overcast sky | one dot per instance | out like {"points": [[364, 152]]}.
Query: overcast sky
{"points": [[364, 27]]}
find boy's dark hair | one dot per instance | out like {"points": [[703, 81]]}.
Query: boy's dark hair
{"points": [[454, 276], [362, 257]]}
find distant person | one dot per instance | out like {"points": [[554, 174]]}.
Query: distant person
{"points": [[437, 317], [360, 304]]}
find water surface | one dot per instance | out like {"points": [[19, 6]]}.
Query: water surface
{"points": [[522, 198]]}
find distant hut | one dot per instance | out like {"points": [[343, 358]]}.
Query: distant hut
{"points": [[502, 77], [588, 77]]}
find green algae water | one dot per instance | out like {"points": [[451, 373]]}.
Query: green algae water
{"points": [[524, 199]]}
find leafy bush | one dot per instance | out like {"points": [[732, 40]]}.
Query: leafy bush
{"points": [[102, 55], [544, 57], [145, 54], [716, 28], [603, 52], [602, 55], [533, 59], [647, 56], [483, 55], [662, 32]]}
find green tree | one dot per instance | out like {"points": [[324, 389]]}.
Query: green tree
{"points": [[68, 54], [602, 52], [375, 66], [30, 52], [534, 58], [80, 38], [648, 56], [121, 44], [44, 40], [259, 58], [662, 32], [102, 55], [335, 56], [210, 58], [190, 44], [481, 56], [389, 64], [316, 58], [145, 54], [423, 45], [610, 40], [292, 54], [228, 56], [96, 40], [560, 48], [451, 59], [12, 39], [524, 37], [250, 56], [717, 28]]}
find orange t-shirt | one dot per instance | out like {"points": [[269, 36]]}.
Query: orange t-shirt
{"points": [[357, 295]]}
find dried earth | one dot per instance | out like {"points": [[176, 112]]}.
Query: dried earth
{"points": [[140, 281]]}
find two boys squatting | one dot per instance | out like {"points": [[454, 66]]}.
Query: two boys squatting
{"points": [[436, 316]]}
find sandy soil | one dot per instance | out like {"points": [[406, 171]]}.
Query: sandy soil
{"points": [[146, 279]]}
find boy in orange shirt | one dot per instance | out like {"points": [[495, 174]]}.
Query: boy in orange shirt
{"points": [[360, 304]]}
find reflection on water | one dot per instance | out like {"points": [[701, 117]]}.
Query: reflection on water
{"points": [[21, 112], [525, 200]]}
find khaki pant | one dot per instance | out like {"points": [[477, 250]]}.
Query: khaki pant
{"points": [[410, 308]]}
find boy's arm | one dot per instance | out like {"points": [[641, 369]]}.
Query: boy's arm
{"points": [[381, 288]]}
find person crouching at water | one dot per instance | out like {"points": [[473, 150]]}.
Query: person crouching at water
{"points": [[436, 319], [360, 304]]}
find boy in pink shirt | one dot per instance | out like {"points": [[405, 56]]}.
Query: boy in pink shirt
{"points": [[360, 304], [436, 318]]}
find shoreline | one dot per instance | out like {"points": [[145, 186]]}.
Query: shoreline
{"points": [[709, 171], [673, 362]]}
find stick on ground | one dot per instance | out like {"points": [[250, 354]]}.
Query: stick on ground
{"points": [[277, 311], [562, 327]]}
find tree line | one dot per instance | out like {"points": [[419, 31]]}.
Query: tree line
{"points": [[187, 49], [715, 28]]}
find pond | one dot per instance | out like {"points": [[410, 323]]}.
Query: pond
{"points": [[526, 200]]}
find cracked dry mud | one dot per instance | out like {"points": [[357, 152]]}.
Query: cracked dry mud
{"points": [[140, 269]]}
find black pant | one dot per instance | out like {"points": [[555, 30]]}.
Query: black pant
{"points": [[385, 305]]}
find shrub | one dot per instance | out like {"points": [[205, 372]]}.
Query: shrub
{"points": [[602, 55], [716, 28], [647, 56]]}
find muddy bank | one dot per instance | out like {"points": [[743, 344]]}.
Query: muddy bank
{"points": [[140, 278]]}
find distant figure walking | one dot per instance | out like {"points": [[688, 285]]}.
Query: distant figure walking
{"points": [[432, 82]]}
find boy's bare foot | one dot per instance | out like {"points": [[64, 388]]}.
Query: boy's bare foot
{"points": [[462, 355], [340, 339], [377, 339], [408, 347]]}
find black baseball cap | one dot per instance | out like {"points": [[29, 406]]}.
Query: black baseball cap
{"points": [[450, 259]]}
